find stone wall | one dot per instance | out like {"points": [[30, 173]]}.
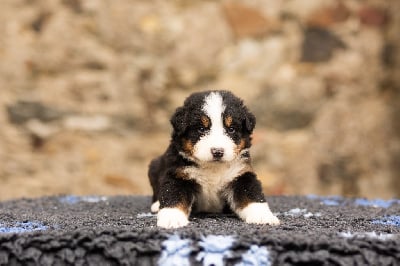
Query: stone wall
{"points": [[87, 89]]}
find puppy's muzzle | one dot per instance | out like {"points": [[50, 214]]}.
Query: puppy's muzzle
{"points": [[217, 153]]}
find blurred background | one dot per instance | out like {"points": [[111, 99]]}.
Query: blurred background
{"points": [[87, 88]]}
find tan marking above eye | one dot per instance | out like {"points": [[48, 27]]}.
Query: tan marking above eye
{"points": [[205, 121], [228, 121]]}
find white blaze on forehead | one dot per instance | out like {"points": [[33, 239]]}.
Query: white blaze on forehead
{"points": [[214, 108]]}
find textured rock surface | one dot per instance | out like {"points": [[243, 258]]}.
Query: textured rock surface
{"points": [[87, 89], [119, 230]]}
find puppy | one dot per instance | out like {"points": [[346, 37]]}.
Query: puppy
{"points": [[207, 166]]}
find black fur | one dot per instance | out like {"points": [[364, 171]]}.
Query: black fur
{"points": [[172, 188]]}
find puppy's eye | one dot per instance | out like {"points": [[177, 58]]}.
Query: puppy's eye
{"points": [[201, 129], [231, 130]]}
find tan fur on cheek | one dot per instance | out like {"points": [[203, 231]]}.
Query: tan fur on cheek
{"points": [[228, 121], [240, 146], [205, 121]]}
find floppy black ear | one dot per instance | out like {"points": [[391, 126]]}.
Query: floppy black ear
{"points": [[249, 121], [178, 121]]}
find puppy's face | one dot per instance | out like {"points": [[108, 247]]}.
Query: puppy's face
{"points": [[213, 127]]}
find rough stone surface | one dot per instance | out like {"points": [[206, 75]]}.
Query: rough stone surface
{"points": [[119, 230], [87, 89]]}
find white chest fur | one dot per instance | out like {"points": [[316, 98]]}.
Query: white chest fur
{"points": [[213, 178]]}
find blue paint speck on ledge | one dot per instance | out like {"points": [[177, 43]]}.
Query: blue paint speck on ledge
{"points": [[72, 199], [176, 251], [256, 256], [23, 227], [371, 235], [215, 249], [376, 202], [146, 215], [330, 202], [297, 212], [340, 201], [388, 220], [327, 200]]}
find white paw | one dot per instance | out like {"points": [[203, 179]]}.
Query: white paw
{"points": [[172, 218], [155, 207], [258, 213]]}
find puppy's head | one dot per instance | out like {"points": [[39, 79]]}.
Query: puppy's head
{"points": [[212, 126]]}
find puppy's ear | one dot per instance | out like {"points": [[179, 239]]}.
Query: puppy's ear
{"points": [[178, 121], [249, 121]]}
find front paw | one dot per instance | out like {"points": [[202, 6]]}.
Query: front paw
{"points": [[172, 218], [258, 213], [155, 207]]}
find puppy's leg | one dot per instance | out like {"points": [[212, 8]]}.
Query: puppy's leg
{"points": [[155, 207], [176, 199], [154, 173], [247, 200]]}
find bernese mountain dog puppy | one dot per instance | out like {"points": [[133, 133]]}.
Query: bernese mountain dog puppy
{"points": [[207, 166]]}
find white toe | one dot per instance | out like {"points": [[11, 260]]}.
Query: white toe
{"points": [[155, 207], [258, 213], [172, 218]]}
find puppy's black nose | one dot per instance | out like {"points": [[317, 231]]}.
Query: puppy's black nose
{"points": [[217, 153]]}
